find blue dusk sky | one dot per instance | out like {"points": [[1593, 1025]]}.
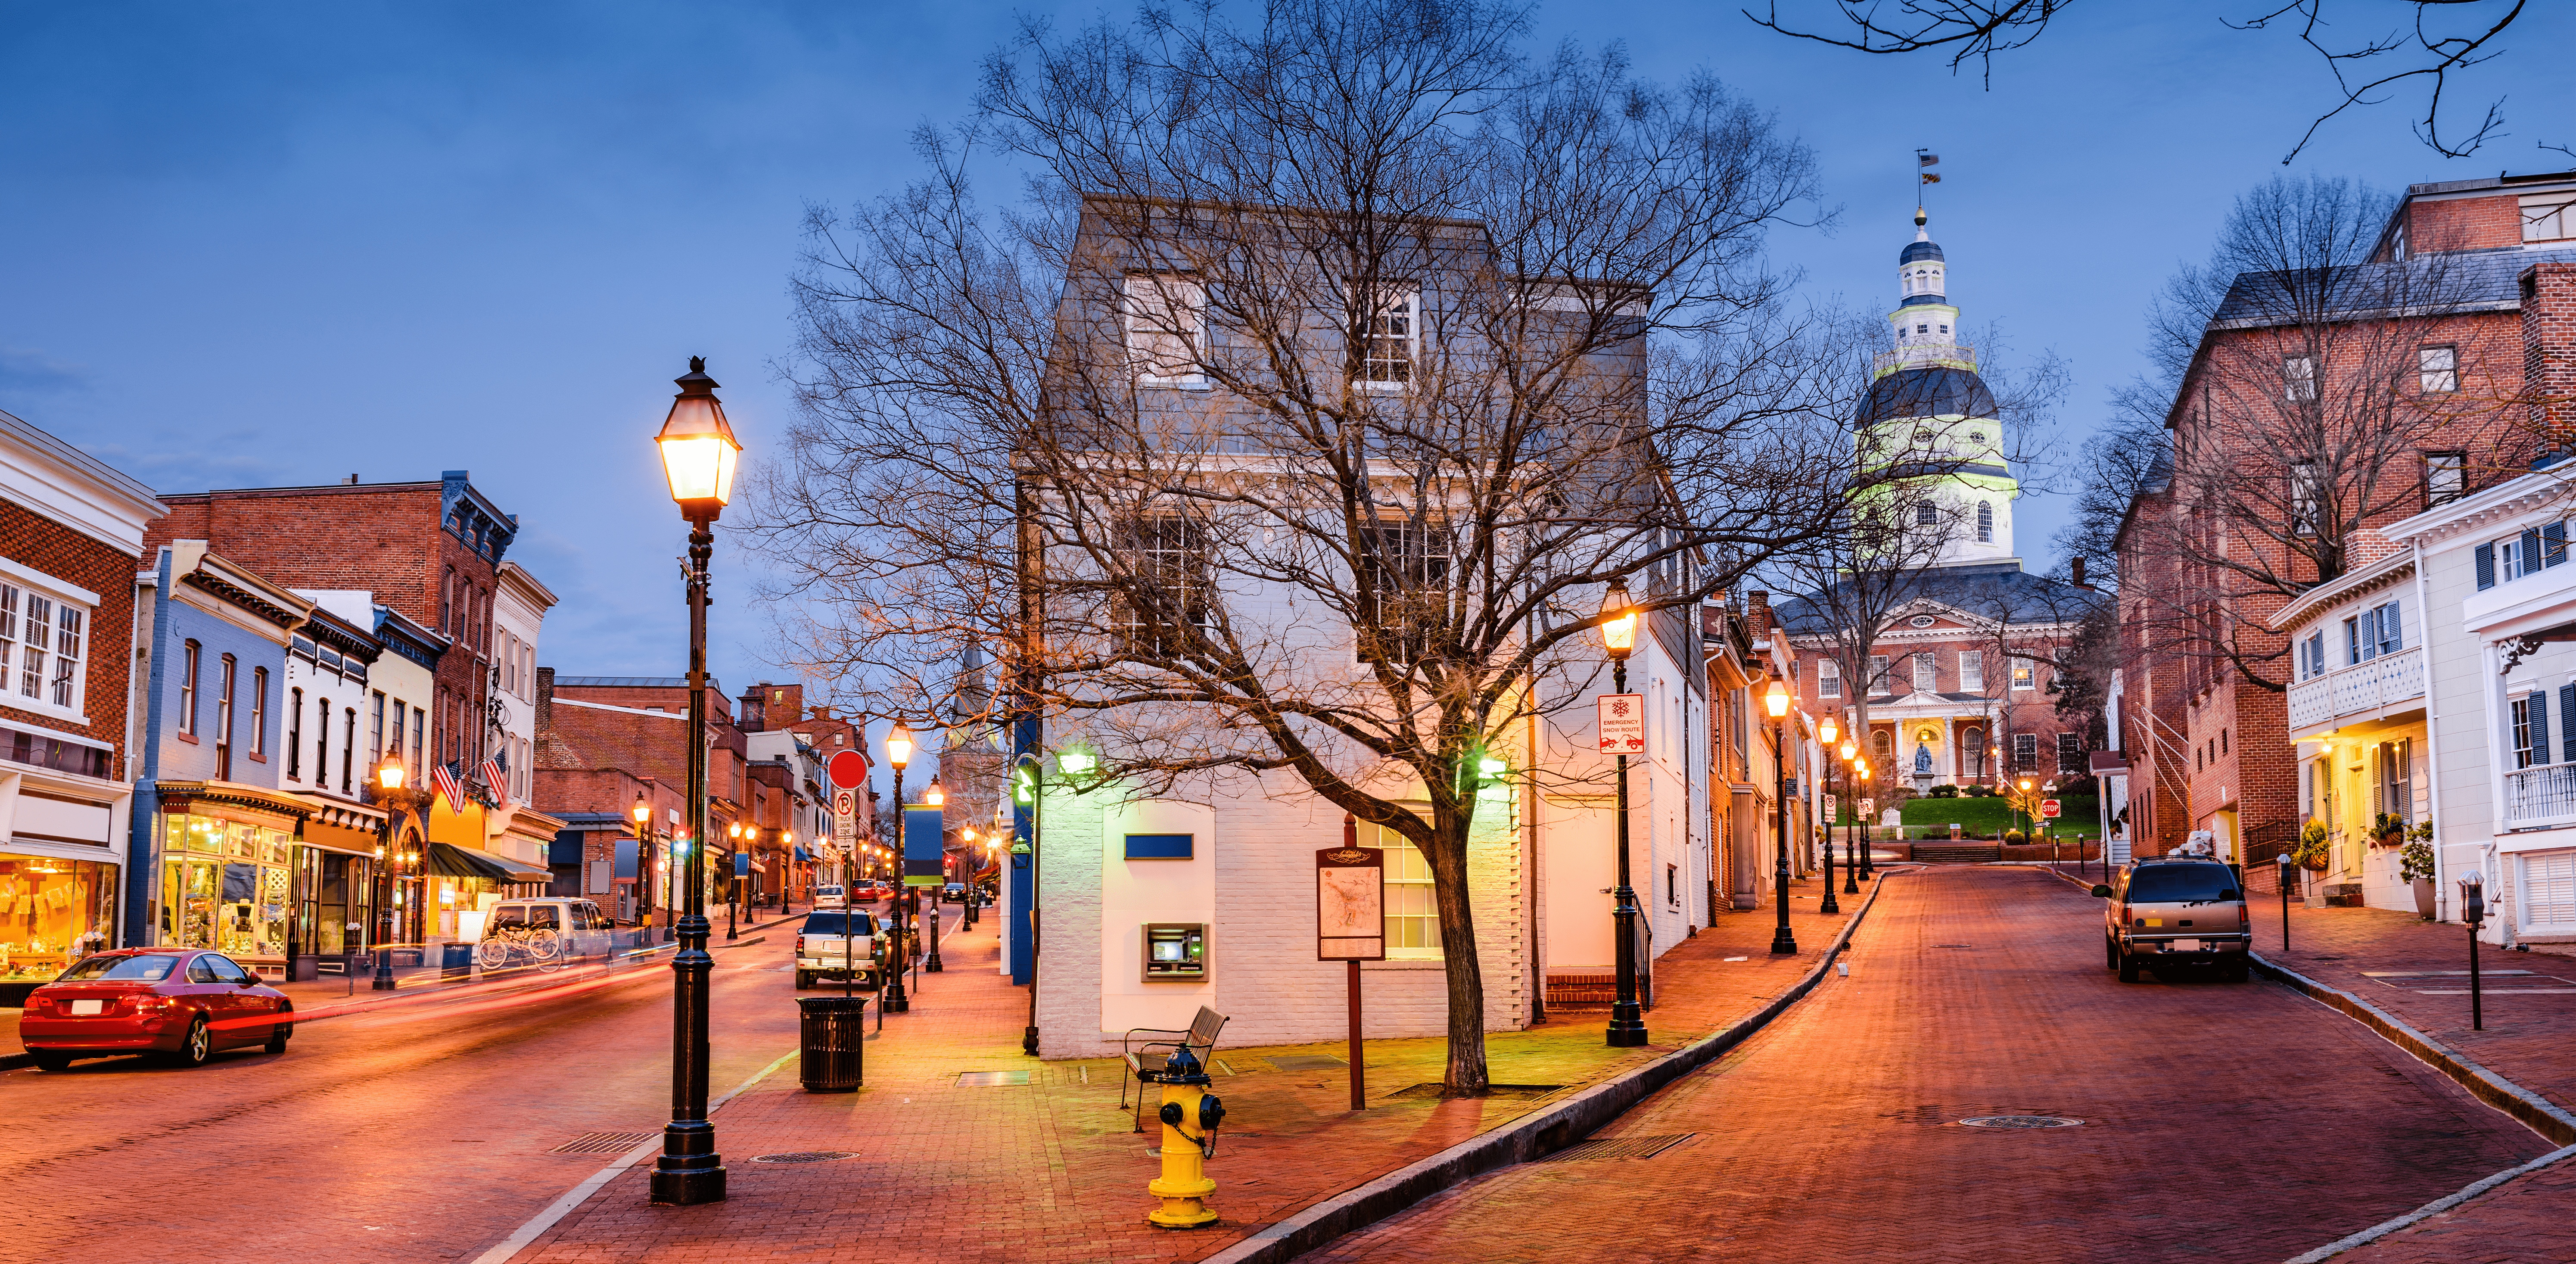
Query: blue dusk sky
{"points": [[281, 243]]}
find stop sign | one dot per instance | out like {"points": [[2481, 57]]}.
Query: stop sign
{"points": [[2048, 807], [849, 769]]}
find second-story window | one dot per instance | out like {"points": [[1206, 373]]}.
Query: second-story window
{"points": [[1877, 681], [1393, 340], [259, 713], [1405, 567], [2527, 726], [1972, 671], [1985, 522], [2312, 655], [2437, 369], [188, 687], [1166, 560], [1923, 673], [1829, 678], [349, 752], [2303, 498], [2025, 676], [295, 735], [225, 668], [322, 745], [1166, 326]]}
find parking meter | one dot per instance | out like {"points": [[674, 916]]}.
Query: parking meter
{"points": [[2473, 900]]}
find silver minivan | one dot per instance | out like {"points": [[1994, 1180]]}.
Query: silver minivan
{"points": [[2170, 913], [543, 931]]}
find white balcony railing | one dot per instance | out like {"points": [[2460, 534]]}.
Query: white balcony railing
{"points": [[2363, 688], [2545, 795]]}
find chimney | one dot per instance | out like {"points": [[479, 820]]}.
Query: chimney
{"points": [[2077, 569], [1757, 613], [350, 481], [545, 700]]}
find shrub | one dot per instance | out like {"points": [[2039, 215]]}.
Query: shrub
{"points": [[2015, 838], [1978, 792], [1942, 792]]}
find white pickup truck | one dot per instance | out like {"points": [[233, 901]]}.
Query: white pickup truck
{"points": [[834, 943]]}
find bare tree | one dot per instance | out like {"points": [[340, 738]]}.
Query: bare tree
{"points": [[2310, 382], [1287, 431], [2445, 38]]}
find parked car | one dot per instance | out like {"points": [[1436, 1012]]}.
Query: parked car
{"points": [[869, 892], [837, 943], [543, 931], [183, 1003], [2173, 913], [953, 893], [831, 897]]}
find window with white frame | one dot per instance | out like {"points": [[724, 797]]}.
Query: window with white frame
{"points": [[1166, 560], [2303, 498], [2548, 217], [1405, 566], [2446, 475], [1985, 522], [1393, 339], [2025, 750], [2299, 379], [2548, 890], [1877, 682], [2437, 369], [2025, 676], [2312, 655], [1923, 672], [1166, 326], [1829, 678], [2523, 735], [43, 645], [1412, 910], [1972, 671]]}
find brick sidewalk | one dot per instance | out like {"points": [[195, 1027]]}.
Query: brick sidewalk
{"points": [[1050, 1171]]}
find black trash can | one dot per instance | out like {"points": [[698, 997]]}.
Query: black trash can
{"points": [[831, 1033], [455, 961]]}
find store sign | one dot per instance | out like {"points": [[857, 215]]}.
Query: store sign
{"points": [[1350, 904], [1622, 721]]}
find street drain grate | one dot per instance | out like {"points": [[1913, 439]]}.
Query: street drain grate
{"points": [[1618, 1148], [806, 1156], [990, 1079], [2022, 1121], [1306, 1062], [604, 1143]]}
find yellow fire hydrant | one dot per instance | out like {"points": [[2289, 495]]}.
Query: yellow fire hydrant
{"points": [[1184, 1184]]}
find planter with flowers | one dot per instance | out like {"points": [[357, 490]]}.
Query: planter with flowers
{"points": [[2389, 830], [2415, 866]]}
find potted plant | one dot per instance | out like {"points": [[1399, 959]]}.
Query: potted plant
{"points": [[2313, 847], [2415, 865], [2389, 830]]}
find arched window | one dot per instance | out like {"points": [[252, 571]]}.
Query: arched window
{"points": [[1972, 752], [1882, 742], [446, 600], [1985, 522]]}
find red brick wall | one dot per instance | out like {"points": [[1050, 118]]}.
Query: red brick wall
{"points": [[48, 546], [2549, 349], [2477, 223], [650, 745]]}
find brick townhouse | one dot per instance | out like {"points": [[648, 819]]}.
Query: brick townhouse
{"points": [[2449, 350], [790, 745], [71, 538], [603, 741]]}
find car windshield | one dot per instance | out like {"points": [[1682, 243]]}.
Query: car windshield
{"points": [[151, 968], [2172, 884], [837, 922]]}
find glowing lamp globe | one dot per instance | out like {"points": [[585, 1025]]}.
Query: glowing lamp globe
{"points": [[1618, 621], [698, 448]]}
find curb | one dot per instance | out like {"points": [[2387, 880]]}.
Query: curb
{"points": [[2428, 1210], [1523, 1139]]}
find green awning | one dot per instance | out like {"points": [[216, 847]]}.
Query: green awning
{"points": [[452, 861]]}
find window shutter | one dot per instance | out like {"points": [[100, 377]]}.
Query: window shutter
{"points": [[2540, 726], [2553, 543], [2567, 723], [2530, 550], [2486, 567]]}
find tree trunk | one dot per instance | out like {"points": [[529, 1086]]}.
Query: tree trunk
{"points": [[1466, 1074]]}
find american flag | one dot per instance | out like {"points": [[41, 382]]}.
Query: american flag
{"points": [[492, 780], [444, 778]]}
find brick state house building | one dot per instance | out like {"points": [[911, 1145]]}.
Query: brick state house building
{"points": [[1959, 683]]}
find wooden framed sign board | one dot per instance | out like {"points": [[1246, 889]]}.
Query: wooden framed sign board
{"points": [[1350, 904]]}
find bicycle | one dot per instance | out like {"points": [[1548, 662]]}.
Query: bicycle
{"points": [[540, 945]]}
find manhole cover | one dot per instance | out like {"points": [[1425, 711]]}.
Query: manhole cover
{"points": [[1618, 1148], [990, 1079], [805, 1156], [604, 1143], [1306, 1062], [2021, 1121]]}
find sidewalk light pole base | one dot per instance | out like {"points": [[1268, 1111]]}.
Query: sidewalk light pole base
{"points": [[1627, 1026], [691, 1186], [1784, 944]]}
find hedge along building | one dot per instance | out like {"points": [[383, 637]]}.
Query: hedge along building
{"points": [[1959, 683]]}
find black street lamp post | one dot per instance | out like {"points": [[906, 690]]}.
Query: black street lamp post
{"points": [[1627, 1017], [399, 801], [1866, 872], [892, 999], [1776, 701], [1825, 731], [1851, 829], [698, 456], [937, 798]]}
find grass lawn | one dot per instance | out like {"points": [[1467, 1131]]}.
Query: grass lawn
{"points": [[1990, 817]]}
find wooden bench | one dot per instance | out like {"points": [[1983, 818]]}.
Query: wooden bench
{"points": [[1143, 1062]]}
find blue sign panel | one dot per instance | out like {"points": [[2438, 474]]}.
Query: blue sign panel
{"points": [[924, 859], [1158, 846]]}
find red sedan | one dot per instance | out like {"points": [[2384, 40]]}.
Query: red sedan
{"points": [[185, 1003]]}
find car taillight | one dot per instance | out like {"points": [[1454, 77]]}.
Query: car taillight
{"points": [[2244, 915], [800, 943]]}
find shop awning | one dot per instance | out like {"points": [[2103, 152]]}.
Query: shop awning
{"points": [[450, 860], [334, 838], [801, 857]]}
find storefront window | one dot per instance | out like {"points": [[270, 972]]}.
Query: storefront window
{"points": [[225, 885], [52, 912]]}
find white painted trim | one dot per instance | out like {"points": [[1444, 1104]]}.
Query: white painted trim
{"points": [[562, 701], [53, 587]]}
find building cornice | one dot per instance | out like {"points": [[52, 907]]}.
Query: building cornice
{"points": [[54, 480], [2446, 525], [2380, 574]]}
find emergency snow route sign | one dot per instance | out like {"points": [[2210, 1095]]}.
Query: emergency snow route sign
{"points": [[1622, 723]]}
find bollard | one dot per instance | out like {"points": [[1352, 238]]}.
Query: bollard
{"points": [[1184, 1184]]}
